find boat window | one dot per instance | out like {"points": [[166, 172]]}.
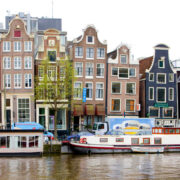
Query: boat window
{"points": [[171, 131], [22, 142], [134, 141], [146, 140], [101, 126], [33, 141], [95, 126], [177, 131], [4, 141], [119, 139], [166, 131], [103, 139], [157, 140], [156, 130]]}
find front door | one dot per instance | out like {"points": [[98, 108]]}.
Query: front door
{"points": [[76, 123], [8, 118]]}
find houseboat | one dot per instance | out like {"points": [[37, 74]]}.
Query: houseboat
{"points": [[21, 142], [159, 141]]}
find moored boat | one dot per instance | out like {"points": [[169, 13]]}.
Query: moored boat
{"points": [[161, 140]]}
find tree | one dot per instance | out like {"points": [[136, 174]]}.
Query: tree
{"points": [[54, 85]]}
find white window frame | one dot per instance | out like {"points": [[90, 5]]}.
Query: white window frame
{"points": [[26, 78], [78, 98], [119, 104], [18, 78], [127, 73], [17, 46], [172, 112], [102, 68], [41, 68], [27, 46], [76, 70], [99, 50], [149, 77], [120, 87], [163, 60], [29, 108], [134, 88], [6, 62], [157, 94], [87, 53], [117, 72], [6, 46], [52, 76], [164, 78], [77, 56], [122, 56], [172, 94], [87, 98], [172, 77], [134, 72], [155, 108], [27, 62], [87, 76], [17, 62], [100, 89], [152, 95], [87, 39], [134, 105], [9, 79]]}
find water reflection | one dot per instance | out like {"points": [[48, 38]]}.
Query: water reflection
{"points": [[119, 166]]}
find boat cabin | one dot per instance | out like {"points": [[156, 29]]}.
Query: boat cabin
{"points": [[165, 130], [21, 142]]}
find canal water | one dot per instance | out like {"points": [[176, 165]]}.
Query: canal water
{"points": [[100, 167]]}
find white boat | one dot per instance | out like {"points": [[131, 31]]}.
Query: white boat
{"points": [[140, 149], [161, 140]]}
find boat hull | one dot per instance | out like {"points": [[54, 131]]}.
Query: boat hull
{"points": [[97, 149]]}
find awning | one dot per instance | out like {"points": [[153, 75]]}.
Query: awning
{"points": [[89, 109], [78, 110], [100, 109]]}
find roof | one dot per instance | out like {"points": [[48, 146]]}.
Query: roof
{"points": [[143, 65], [49, 23], [112, 54], [161, 46]]}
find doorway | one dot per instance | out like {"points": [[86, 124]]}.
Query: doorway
{"points": [[76, 123], [8, 119]]}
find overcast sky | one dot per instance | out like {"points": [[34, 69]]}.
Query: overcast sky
{"points": [[139, 23]]}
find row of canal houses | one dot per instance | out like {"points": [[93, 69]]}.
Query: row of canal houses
{"points": [[114, 83]]}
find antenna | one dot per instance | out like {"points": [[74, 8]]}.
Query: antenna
{"points": [[52, 8]]}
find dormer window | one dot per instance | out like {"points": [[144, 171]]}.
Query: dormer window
{"points": [[89, 39], [17, 33], [161, 62]]}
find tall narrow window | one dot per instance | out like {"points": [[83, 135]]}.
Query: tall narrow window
{"points": [[28, 62], [100, 70], [79, 68], [115, 105], [171, 94], [17, 46], [6, 62], [28, 46], [89, 90], [17, 80], [23, 110], [52, 56], [77, 90], [161, 94], [17, 62], [78, 52], [130, 88], [116, 88], [130, 105], [151, 93], [123, 59], [100, 53], [7, 80], [89, 53], [6, 46], [28, 80], [99, 90], [132, 72], [89, 69], [171, 77], [40, 71]]}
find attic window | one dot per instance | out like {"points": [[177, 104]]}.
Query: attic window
{"points": [[17, 33]]}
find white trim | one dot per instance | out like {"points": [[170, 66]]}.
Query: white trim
{"points": [[89, 77], [101, 68], [93, 53], [149, 93], [75, 52], [163, 60], [29, 45], [4, 81], [134, 105], [9, 58], [77, 98], [97, 53], [119, 104], [120, 87], [87, 88], [75, 69], [134, 71], [134, 90], [126, 58], [172, 112], [100, 99], [153, 77], [154, 108], [5, 42], [20, 81], [127, 73], [17, 59], [157, 94], [87, 39], [157, 78], [19, 46], [169, 94], [117, 72]]}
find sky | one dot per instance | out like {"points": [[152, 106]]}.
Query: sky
{"points": [[141, 24]]}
